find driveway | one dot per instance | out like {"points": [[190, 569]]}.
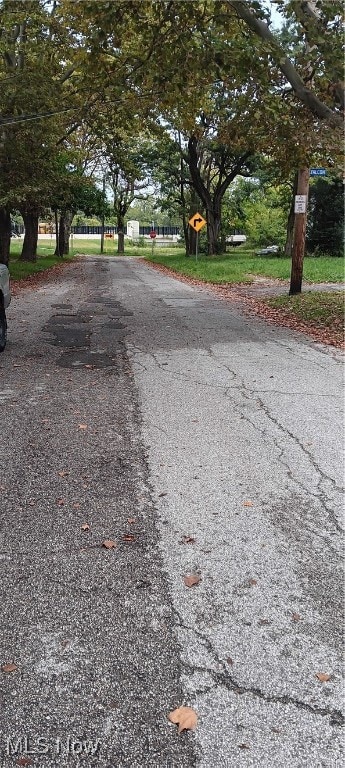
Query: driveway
{"points": [[149, 414]]}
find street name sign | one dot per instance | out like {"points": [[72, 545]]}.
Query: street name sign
{"points": [[317, 172], [197, 222]]}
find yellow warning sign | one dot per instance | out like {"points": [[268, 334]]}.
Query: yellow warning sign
{"points": [[197, 222]]}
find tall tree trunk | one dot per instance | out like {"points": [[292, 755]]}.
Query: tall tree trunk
{"points": [[291, 221], [57, 241], [120, 235], [5, 235], [29, 250], [185, 233], [213, 215], [192, 241], [66, 219]]}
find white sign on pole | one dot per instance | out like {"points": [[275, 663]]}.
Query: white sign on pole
{"points": [[300, 203]]}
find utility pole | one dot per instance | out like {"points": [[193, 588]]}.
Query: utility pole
{"points": [[301, 201], [102, 230]]}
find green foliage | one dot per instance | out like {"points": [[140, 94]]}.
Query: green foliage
{"points": [[319, 308], [325, 227], [241, 265]]}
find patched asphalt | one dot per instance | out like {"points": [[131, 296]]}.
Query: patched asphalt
{"points": [[201, 442]]}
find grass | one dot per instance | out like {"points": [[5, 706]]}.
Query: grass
{"points": [[242, 265], [46, 259], [238, 266], [319, 308]]}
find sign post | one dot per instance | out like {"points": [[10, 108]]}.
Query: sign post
{"points": [[153, 236], [197, 222], [301, 200]]}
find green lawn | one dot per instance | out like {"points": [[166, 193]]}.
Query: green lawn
{"points": [[45, 255], [240, 266], [237, 266], [321, 309]]}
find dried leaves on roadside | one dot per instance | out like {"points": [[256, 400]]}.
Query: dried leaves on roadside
{"points": [[109, 544], [192, 581], [185, 717], [9, 667], [323, 677]]}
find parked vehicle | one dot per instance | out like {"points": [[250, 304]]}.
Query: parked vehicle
{"points": [[235, 240], [5, 298], [268, 250]]}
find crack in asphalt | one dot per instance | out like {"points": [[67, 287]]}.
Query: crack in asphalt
{"points": [[245, 392], [225, 679]]}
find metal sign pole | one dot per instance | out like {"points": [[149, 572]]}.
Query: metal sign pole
{"points": [[197, 246]]}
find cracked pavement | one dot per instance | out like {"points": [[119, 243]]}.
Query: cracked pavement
{"points": [[222, 436]]}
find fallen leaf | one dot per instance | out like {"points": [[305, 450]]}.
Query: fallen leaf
{"points": [[323, 677], [25, 761], [185, 717], [187, 540], [76, 506], [252, 582], [131, 520], [63, 473], [82, 426], [190, 581], [128, 537], [275, 730], [9, 667], [60, 502], [32, 503], [263, 622], [164, 493], [109, 544], [243, 746], [85, 527], [230, 661], [295, 617], [247, 503]]}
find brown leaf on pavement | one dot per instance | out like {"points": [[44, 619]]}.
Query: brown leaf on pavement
{"points": [[164, 493], [128, 537], [230, 661], [187, 540], [109, 544], [60, 502], [252, 582], [9, 667], [185, 717], [82, 426], [295, 617], [191, 581], [25, 761], [323, 677], [248, 504], [131, 520], [85, 527], [243, 746], [63, 473]]}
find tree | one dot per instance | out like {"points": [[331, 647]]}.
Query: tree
{"points": [[34, 80], [325, 228], [321, 92]]}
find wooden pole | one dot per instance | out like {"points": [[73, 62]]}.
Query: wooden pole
{"points": [[102, 228], [299, 235]]}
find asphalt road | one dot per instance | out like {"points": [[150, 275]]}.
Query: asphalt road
{"points": [[202, 442]]}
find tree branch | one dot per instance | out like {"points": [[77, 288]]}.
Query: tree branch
{"points": [[308, 98]]}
